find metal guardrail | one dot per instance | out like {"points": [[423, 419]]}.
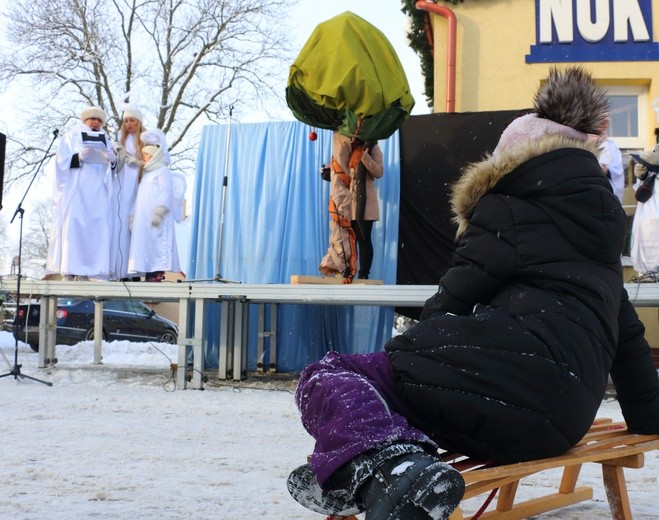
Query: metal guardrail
{"points": [[234, 299], [640, 294], [354, 294]]}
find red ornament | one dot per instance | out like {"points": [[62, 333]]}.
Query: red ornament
{"points": [[313, 136]]}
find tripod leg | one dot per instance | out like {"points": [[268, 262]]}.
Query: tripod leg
{"points": [[16, 372], [35, 379]]}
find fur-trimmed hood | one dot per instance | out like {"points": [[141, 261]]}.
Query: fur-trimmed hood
{"points": [[479, 178]]}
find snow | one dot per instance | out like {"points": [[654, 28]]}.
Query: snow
{"points": [[116, 441]]}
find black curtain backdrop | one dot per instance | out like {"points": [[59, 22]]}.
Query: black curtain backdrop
{"points": [[434, 149]]}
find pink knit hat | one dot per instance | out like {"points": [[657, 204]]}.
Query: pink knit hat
{"points": [[530, 128], [568, 104]]}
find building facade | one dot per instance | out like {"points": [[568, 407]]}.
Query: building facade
{"points": [[493, 54], [504, 49]]}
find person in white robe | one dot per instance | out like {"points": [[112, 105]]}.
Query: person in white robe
{"points": [[610, 159], [124, 190], [153, 248], [644, 250], [79, 243]]}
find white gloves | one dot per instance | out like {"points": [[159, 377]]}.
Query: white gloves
{"points": [[133, 161], [158, 214], [120, 152], [112, 157]]}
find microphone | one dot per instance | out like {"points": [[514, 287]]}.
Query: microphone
{"points": [[55, 132]]}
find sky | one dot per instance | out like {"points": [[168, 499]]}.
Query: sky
{"points": [[117, 441]]}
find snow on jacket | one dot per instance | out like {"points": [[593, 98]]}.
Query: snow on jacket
{"points": [[511, 359]]}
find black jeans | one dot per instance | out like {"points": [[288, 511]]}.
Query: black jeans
{"points": [[364, 246]]}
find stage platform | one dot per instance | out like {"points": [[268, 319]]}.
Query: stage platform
{"points": [[235, 299]]}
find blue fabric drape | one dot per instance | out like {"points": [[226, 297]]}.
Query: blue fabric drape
{"points": [[276, 225]]}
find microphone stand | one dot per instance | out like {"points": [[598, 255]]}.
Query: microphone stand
{"points": [[225, 182], [16, 369]]}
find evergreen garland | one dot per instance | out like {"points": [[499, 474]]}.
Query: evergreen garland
{"points": [[419, 44]]}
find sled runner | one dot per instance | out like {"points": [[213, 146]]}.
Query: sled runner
{"points": [[606, 443]]}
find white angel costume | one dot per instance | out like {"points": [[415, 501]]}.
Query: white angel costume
{"points": [[79, 243], [153, 243], [124, 192]]}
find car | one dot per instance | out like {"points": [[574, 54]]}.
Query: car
{"points": [[7, 310], [123, 320]]}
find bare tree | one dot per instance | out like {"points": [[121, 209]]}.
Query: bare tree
{"points": [[188, 60], [5, 248], [35, 239]]}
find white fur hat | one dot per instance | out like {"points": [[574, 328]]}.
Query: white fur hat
{"points": [[155, 136], [157, 157], [96, 112], [151, 149], [134, 112]]}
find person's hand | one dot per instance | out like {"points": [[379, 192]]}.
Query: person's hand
{"points": [[366, 158], [131, 160], [112, 157], [81, 156], [651, 158], [131, 220], [640, 171], [156, 220]]}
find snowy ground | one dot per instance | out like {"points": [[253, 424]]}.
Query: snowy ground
{"points": [[117, 442]]}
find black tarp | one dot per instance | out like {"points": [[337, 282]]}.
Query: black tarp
{"points": [[434, 148]]}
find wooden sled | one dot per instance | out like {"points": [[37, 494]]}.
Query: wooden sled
{"points": [[606, 443]]}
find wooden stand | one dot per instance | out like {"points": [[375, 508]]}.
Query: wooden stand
{"points": [[297, 279]]}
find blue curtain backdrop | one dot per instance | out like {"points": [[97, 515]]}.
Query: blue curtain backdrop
{"points": [[276, 225]]}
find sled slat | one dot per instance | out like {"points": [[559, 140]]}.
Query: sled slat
{"points": [[606, 443]]}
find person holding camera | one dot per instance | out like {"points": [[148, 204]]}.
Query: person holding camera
{"points": [[644, 250]]}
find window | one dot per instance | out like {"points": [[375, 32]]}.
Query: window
{"points": [[137, 308], [115, 305], [629, 116]]}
